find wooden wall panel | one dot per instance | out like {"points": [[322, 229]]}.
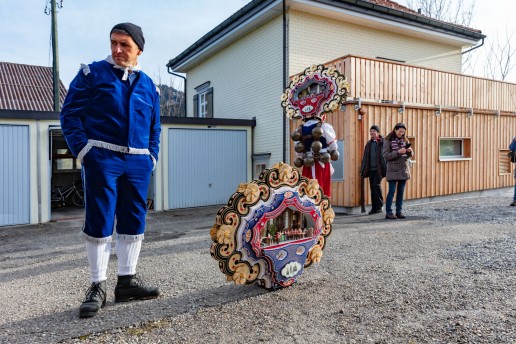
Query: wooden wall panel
{"points": [[431, 177], [423, 91], [376, 79]]}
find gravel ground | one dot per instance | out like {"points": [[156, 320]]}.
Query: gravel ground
{"points": [[446, 274]]}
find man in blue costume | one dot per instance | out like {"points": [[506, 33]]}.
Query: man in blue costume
{"points": [[110, 119]]}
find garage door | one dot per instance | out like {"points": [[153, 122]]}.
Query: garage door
{"points": [[205, 166], [14, 175]]}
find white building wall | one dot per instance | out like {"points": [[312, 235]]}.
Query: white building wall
{"points": [[247, 82], [314, 39], [247, 75]]}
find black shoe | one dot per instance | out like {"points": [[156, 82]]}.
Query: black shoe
{"points": [[390, 217], [132, 287], [513, 204], [372, 212], [400, 216], [95, 300]]}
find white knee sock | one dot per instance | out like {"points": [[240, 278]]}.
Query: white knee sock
{"points": [[127, 253], [98, 258]]}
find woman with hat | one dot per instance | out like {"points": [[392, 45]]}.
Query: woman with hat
{"points": [[396, 152]]}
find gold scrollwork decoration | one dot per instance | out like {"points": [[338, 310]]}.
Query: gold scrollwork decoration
{"points": [[334, 89], [229, 235]]}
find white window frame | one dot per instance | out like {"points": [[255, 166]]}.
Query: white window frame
{"points": [[201, 100], [464, 153], [338, 165], [260, 162], [203, 104]]}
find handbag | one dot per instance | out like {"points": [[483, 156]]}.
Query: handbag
{"points": [[512, 156]]}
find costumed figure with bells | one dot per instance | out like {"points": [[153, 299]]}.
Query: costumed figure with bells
{"points": [[309, 97]]}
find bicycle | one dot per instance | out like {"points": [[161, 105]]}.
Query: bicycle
{"points": [[62, 198]]}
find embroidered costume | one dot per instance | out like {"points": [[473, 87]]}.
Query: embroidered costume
{"points": [[110, 120], [113, 127], [320, 170], [319, 90]]}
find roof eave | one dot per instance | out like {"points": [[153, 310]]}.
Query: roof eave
{"points": [[384, 12], [258, 11], [242, 16]]}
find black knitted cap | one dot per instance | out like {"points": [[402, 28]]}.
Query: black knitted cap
{"points": [[134, 31], [375, 127]]}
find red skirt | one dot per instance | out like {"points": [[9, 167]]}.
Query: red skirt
{"points": [[322, 174]]}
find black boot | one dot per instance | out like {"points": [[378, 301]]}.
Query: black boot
{"points": [[132, 287], [95, 300]]}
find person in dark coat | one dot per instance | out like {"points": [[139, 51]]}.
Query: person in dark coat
{"points": [[512, 147], [396, 152], [373, 167]]}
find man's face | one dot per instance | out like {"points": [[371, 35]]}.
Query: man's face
{"points": [[374, 134], [124, 50]]}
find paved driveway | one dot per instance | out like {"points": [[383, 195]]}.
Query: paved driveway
{"points": [[446, 274]]}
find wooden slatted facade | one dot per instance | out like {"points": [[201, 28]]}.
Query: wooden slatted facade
{"points": [[434, 105]]}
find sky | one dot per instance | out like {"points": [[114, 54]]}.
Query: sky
{"points": [[169, 27]]}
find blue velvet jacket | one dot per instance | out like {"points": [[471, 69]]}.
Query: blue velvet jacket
{"points": [[512, 145], [100, 106]]}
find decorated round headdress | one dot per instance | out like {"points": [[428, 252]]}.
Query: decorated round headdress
{"points": [[317, 91], [272, 228]]}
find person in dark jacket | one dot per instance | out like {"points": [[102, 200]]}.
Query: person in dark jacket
{"points": [[373, 167], [396, 153], [512, 147], [110, 120]]}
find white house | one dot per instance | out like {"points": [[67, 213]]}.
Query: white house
{"points": [[241, 67]]}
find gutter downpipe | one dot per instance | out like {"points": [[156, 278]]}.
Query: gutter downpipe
{"points": [[475, 47], [184, 78], [361, 114], [285, 75]]}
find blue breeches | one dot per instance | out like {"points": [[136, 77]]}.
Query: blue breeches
{"points": [[115, 187]]}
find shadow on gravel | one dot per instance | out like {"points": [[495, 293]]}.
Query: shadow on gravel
{"points": [[48, 268], [355, 219], [67, 325]]}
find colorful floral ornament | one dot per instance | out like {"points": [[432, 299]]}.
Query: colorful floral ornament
{"points": [[317, 91], [272, 228]]}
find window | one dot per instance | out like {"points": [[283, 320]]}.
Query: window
{"points": [[413, 145], [203, 101], [504, 163], [203, 105], [338, 165], [454, 149], [260, 162], [258, 169], [65, 161]]}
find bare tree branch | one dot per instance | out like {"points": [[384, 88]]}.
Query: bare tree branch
{"points": [[499, 57], [171, 99], [456, 12]]}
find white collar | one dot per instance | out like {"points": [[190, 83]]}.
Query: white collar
{"points": [[125, 69], [311, 121]]}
